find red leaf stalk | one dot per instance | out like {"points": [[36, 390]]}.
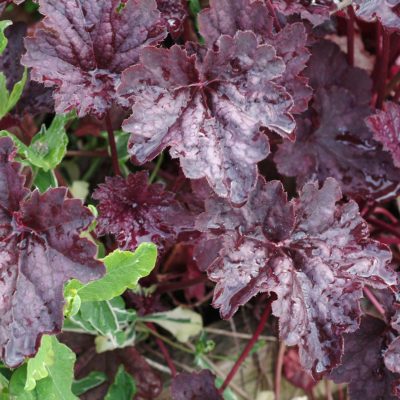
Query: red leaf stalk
{"points": [[263, 320], [384, 68], [271, 9], [278, 371], [163, 350], [113, 146]]}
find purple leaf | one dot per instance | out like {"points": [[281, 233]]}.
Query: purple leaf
{"points": [[174, 14], [40, 251], [332, 137], [317, 12], [363, 365], [386, 11], [392, 356], [81, 48], [135, 212], [313, 253], [386, 128], [209, 111], [195, 386], [36, 98], [228, 17]]}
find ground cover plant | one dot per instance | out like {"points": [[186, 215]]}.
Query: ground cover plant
{"points": [[168, 165]]}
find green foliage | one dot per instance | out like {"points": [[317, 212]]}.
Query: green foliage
{"points": [[123, 388], [9, 100], [111, 323], [123, 271], [47, 376], [94, 379], [3, 39], [48, 147]]}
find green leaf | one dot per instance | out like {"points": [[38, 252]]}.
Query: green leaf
{"points": [[123, 388], [123, 271], [100, 315], [3, 39], [45, 180], [94, 379], [50, 372], [181, 322], [17, 386], [7, 100]]}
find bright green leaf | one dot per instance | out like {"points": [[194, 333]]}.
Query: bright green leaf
{"points": [[3, 39], [50, 372], [94, 379], [181, 322], [123, 270], [7, 100], [123, 388], [45, 180]]}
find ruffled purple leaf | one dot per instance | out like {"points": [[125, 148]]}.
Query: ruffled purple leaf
{"points": [[228, 17], [209, 111], [316, 12], [386, 11], [136, 212], [314, 253], [363, 364], [81, 48], [332, 137], [195, 386], [386, 128], [41, 249]]}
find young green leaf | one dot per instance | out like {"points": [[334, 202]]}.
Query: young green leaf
{"points": [[9, 100], [124, 269], [181, 322], [92, 380], [123, 388], [3, 39], [50, 372]]}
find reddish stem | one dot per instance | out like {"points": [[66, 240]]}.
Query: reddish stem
{"points": [[263, 320], [272, 11], [350, 35], [384, 68], [278, 370], [385, 226], [374, 301], [163, 349], [87, 153], [113, 146], [387, 214], [173, 287]]}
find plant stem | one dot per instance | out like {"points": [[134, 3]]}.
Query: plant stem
{"points": [[263, 320], [173, 287], [374, 301], [113, 146], [87, 153], [163, 349], [156, 169], [383, 225], [278, 370], [271, 9], [384, 68], [350, 36]]}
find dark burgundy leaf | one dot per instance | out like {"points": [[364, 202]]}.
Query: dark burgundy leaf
{"points": [[195, 386], [313, 253], [332, 137], [386, 11], [316, 12], [386, 128], [81, 48], [209, 112], [40, 250], [137, 212], [36, 98], [228, 17], [174, 12], [363, 365], [392, 356]]}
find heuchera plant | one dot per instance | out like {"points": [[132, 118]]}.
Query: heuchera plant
{"points": [[254, 143]]}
